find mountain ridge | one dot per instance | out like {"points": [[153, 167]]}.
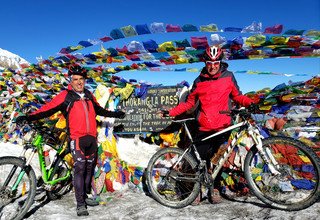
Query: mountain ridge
{"points": [[11, 60]]}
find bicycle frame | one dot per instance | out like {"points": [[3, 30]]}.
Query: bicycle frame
{"points": [[280, 171], [47, 173], [37, 146], [254, 134]]}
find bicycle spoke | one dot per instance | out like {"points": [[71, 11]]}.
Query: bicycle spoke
{"points": [[14, 202], [172, 180], [297, 185]]}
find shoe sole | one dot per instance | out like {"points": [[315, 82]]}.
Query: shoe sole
{"points": [[83, 214]]}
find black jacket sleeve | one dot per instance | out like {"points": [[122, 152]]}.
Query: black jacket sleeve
{"points": [[106, 113]]}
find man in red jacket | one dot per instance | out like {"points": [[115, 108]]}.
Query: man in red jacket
{"points": [[80, 109], [212, 91]]}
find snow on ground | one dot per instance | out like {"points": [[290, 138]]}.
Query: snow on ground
{"points": [[133, 204], [135, 152]]}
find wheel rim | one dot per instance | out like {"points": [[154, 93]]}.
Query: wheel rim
{"points": [[298, 179], [13, 203], [171, 183]]}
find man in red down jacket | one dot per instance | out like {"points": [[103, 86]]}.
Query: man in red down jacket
{"points": [[80, 109], [213, 89]]}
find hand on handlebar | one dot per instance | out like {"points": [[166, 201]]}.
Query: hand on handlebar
{"points": [[253, 108], [23, 119], [163, 113], [120, 114]]}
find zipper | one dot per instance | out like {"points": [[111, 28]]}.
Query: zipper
{"points": [[86, 112]]}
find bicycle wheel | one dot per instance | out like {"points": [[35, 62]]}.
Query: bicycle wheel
{"points": [[62, 187], [173, 178], [297, 186], [14, 204]]}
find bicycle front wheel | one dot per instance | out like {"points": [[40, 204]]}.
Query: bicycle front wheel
{"points": [[297, 186], [17, 188], [172, 177]]}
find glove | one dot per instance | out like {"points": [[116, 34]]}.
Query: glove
{"points": [[253, 108], [23, 119], [118, 114], [164, 112]]}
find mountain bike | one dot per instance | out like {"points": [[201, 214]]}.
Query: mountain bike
{"points": [[282, 172], [18, 181]]}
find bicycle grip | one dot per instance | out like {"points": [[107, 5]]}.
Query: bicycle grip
{"points": [[164, 112]]}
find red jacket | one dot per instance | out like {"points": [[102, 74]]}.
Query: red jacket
{"points": [[80, 115], [214, 95]]}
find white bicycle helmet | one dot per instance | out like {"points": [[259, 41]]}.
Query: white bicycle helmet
{"points": [[213, 53]]}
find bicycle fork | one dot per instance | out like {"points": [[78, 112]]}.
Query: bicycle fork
{"points": [[265, 153], [22, 172]]}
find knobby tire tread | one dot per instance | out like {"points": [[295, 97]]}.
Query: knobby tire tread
{"points": [[301, 146], [196, 189], [32, 180]]}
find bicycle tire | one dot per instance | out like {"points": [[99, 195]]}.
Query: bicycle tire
{"points": [[297, 187], [161, 178], [14, 205]]}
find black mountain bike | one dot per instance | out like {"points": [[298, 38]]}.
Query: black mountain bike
{"points": [[282, 172], [18, 182]]}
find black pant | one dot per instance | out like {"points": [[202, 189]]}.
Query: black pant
{"points": [[84, 153], [209, 147]]}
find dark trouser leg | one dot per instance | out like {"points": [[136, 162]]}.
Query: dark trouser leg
{"points": [[91, 149], [211, 146], [91, 163], [84, 152], [79, 172]]}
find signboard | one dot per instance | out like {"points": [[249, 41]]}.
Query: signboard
{"points": [[141, 113]]}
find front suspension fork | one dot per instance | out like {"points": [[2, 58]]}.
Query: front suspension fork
{"points": [[265, 154]]}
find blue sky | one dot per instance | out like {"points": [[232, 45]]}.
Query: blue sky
{"points": [[41, 28]]}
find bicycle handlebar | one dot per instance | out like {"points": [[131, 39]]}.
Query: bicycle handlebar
{"points": [[242, 112], [44, 131]]}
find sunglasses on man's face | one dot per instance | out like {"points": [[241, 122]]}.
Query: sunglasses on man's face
{"points": [[216, 63]]}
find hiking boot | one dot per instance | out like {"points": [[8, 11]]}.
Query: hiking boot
{"points": [[91, 202], [215, 197], [82, 211]]}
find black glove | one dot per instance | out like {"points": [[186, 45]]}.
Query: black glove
{"points": [[22, 119], [253, 108], [117, 114], [164, 112]]}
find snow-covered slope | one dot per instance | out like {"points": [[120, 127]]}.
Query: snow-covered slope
{"points": [[10, 60]]}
